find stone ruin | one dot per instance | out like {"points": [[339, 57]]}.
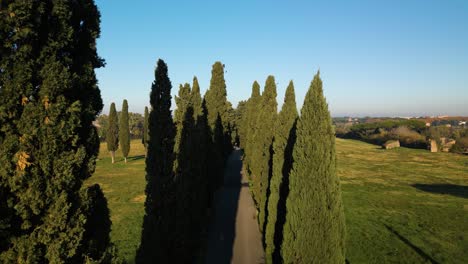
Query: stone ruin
{"points": [[445, 144], [391, 144]]}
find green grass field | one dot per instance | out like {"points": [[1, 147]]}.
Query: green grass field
{"points": [[124, 187], [402, 205]]}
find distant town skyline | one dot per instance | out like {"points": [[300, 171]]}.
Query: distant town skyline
{"points": [[399, 58]]}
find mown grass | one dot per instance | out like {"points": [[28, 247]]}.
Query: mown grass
{"points": [[402, 205], [124, 187]]}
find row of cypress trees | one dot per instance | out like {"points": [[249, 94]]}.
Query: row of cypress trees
{"points": [[118, 131], [48, 146], [291, 162], [186, 153]]}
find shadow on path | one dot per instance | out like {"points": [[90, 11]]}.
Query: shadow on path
{"points": [[234, 236], [450, 189]]}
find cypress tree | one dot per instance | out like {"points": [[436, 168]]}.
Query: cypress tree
{"points": [[112, 137], [48, 146], [216, 96], [216, 106], [199, 158], [262, 149], [251, 122], [182, 102], [184, 176], [145, 137], [157, 241], [196, 99], [282, 161], [124, 131], [314, 231]]}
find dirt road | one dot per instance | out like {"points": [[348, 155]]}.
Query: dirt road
{"points": [[234, 236]]}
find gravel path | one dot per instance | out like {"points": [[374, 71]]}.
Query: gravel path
{"points": [[234, 236]]}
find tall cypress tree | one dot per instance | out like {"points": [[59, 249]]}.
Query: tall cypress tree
{"points": [[48, 146], [145, 136], [196, 99], [262, 149], [124, 131], [199, 160], [253, 108], [183, 175], [216, 96], [112, 137], [216, 106], [282, 162], [157, 241], [314, 231]]}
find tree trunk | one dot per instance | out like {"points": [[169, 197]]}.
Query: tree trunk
{"points": [[113, 156], [125, 159]]}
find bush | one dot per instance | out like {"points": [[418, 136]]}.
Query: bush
{"points": [[461, 146], [409, 138]]}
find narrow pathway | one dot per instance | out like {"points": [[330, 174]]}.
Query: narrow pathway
{"points": [[234, 236]]}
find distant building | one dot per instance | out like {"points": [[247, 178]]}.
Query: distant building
{"points": [[462, 123], [428, 124]]}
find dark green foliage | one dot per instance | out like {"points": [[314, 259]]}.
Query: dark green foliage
{"points": [[184, 176], [103, 124], [314, 231], [282, 162], [158, 234], [238, 126], [196, 99], [218, 120], [145, 137], [98, 224], [417, 125], [216, 96], [112, 137], [48, 146], [262, 148], [253, 107], [124, 131], [408, 132]]}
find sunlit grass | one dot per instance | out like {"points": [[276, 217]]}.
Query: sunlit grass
{"points": [[378, 193], [124, 187]]}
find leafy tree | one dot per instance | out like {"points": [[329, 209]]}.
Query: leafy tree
{"points": [[48, 146], [112, 137], [102, 122], [282, 162], [157, 242], [124, 131], [145, 138], [262, 149], [135, 123], [314, 231]]}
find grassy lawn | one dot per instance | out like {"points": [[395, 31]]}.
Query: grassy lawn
{"points": [[402, 205], [124, 187]]}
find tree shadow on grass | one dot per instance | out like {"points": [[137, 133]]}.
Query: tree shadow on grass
{"points": [[135, 158], [450, 189]]}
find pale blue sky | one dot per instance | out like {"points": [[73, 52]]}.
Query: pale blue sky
{"points": [[378, 58]]}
